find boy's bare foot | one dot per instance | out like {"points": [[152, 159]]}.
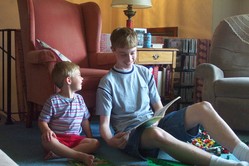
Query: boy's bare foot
{"points": [[86, 158], [50, 155]]}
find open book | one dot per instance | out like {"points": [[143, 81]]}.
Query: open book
{"points": [[157, 116]]}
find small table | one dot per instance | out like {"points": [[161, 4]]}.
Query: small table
{"points": [[159, 56]]}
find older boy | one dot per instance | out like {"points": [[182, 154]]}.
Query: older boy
{"points": [[127, 96], [63, 117]]}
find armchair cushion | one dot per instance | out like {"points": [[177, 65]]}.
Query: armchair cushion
{"points": [[40, 57], [232, 87]]}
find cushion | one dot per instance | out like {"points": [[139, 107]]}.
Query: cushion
{"points": [[234, 87], [43, 45]]}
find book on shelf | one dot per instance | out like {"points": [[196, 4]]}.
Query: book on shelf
{"points": [[155, 73], [173, 43], [167, 83], [156, 117], [184, 45], [162, 77], [160, 81]]}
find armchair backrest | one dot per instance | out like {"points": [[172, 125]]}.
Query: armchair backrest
{"points": [[73, 29], [230, 46]]}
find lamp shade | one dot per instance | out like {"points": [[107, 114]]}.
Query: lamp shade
{"points": [[134, 3]]}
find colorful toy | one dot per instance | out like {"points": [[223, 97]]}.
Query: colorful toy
{"points": [[208, 144]]}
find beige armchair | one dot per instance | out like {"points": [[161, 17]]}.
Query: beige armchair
{"points": [[226, 76]]}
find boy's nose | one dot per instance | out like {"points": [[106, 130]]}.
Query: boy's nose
{"points": [[130, 58]]}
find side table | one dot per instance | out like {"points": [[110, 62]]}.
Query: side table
{"points": [[159, 56]]}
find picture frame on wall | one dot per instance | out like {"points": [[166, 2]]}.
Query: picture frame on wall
{"points": [[140, 36]]}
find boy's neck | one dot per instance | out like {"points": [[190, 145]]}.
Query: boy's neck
{"points": [[67, 94], [123, 69]]}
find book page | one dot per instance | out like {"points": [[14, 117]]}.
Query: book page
{"points": [[147, 123], [163, 110], [157, 116]]}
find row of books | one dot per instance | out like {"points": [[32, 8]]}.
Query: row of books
{"points": [[187, 95], [187, 78], [184, 45], [186, 61], [184, 78], [162, 75], [189, 62]]}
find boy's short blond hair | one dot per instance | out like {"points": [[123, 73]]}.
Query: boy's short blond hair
{"points": [[123, 38], [62, 70]]}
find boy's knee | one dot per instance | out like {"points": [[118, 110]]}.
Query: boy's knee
{"points": [[96, 143], [93, 142], [206, 104], [49, 144], [203, 105], [155, 137], [156, 133]]}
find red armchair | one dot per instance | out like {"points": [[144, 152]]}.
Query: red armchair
{"points": [[72, 29]]}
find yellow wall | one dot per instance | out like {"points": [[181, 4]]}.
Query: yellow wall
{"points": [[193, 17]]}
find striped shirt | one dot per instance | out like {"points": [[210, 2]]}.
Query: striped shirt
{"points": [[65, 115]]}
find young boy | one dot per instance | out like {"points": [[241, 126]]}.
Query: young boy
{"points": [[127, 96], [64, 115]]}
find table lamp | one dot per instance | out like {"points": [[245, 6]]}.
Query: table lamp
{"points": [[130, 4]]}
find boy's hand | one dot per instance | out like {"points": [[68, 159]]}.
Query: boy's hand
{"points": [[119, 140], [47, 136]]}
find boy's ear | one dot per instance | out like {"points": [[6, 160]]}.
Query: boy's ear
{"points": [[68, 80]]}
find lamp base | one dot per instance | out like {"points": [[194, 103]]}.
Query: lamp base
{"points": [[129, 23], [129, 13]]}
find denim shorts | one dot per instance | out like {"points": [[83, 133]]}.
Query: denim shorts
{"points": [[173, 123]]}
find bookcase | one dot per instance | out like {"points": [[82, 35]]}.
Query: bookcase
{"points": [[191, 52], [184, 82]]}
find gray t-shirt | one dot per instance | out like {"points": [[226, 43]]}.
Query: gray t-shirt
{"points": [[127, 96]]}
